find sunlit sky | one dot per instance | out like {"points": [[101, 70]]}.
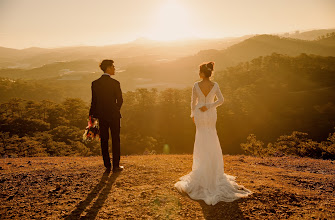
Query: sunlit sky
{"points": [[55, 23]]}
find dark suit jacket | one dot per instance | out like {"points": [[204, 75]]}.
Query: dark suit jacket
{"points": [[106, 98]]}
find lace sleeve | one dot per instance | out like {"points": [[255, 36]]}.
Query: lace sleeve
{"points": [[194, 100], [219, 100]]}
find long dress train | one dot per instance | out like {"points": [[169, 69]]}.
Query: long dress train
{"points": [[207, 180]]}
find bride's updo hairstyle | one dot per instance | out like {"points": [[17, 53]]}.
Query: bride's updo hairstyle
{"points": [[207, 69]]}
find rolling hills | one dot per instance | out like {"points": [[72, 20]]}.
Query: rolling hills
{"points": [[162, 70]]}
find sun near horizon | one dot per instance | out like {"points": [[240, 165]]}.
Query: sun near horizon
{"points": [[62, 23], [172, 22]]}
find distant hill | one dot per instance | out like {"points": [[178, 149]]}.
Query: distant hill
{"points": [[184, 71], [56, 69], [328, 41], [35, 57], [308, 35], [8, 52], [263, 45]]}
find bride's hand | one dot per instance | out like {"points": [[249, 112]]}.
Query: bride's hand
{"points": [[203, 108]]}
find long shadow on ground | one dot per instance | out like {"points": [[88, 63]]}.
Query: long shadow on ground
{"points": [[222, 210], [102, 189]]}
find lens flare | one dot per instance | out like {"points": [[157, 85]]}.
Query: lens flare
{"points": [[166, 149]]}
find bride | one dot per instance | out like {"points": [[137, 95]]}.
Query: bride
{"points": [[207, 180]]}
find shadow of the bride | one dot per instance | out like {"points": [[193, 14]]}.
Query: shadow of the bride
{"points": [[222, 210], [102, 189]]}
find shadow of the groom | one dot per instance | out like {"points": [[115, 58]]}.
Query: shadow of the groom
{"points": [[222, 210], [102, 190]]}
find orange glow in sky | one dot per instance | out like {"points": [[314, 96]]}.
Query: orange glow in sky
{"points": [[42, 23], [172, 21]]}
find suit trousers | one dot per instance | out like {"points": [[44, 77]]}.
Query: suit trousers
{"points": [[114, 127]]}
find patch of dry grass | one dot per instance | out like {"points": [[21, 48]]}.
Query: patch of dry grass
{"points": [[78, 187]]}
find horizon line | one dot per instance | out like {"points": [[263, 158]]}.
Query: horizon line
{"points": [[165, 41]]}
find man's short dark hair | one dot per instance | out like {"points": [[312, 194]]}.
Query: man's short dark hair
{"points": [[106, 63]]}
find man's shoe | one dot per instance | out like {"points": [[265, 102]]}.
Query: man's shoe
{"points": [[118, 169]]}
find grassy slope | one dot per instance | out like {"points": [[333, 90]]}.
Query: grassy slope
{"points": [[70, 187]]}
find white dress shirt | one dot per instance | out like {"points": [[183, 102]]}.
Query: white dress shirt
{"points": [[107, 74]]}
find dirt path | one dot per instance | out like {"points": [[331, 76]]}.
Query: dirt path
{"points": [[78, 188]]}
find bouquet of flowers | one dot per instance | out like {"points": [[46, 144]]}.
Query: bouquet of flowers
{"points": [[92, 130]]}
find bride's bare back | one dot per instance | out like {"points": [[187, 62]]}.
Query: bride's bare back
{"points": [[206, 86]]}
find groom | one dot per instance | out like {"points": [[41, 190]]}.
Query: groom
{"points": [[105, 106]]}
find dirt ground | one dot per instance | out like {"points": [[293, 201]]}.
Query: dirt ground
{"points": [[79, 188]]}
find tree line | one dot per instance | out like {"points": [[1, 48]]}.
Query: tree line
{"points": [[268, 97]]}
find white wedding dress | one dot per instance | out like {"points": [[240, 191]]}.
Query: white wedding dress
{"points": [[207, 180]]}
